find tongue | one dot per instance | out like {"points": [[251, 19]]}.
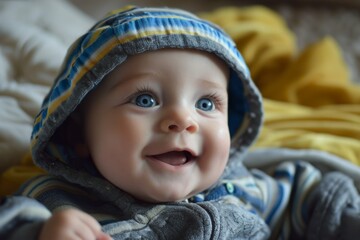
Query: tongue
{"points": [[172, 158]]}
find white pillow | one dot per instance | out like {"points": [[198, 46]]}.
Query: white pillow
{"points": [[34, 39]]}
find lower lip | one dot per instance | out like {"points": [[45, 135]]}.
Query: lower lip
{"points": [[160, 165]]}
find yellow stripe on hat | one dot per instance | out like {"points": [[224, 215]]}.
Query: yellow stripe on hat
{"points": [[123, 9], [95, 35], [90, 63]]}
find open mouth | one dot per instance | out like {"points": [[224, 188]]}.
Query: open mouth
{"points": [[174, 158]]}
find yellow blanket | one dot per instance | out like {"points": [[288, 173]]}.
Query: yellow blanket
{"points": [[309, 102]]}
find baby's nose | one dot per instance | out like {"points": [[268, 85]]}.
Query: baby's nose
{"points": [[178, 121]]}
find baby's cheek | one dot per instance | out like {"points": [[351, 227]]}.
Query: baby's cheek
{"points": [[224, 142], [218, 146], [223, 138]]}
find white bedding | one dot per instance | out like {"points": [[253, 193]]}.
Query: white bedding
{"points": [[34, 37]]}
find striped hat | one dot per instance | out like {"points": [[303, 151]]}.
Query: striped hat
{"points": [[130, 31]]}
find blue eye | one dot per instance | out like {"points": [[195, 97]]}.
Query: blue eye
{"points": [[205, 104], [145, 101]]}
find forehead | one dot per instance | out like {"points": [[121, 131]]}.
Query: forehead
{"points": [[174, 61]]}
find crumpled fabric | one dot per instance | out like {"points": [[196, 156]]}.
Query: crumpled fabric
{"points": [[335, 210], [310, 100]]}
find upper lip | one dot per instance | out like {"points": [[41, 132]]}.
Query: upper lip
{"points": [[187, 151]]}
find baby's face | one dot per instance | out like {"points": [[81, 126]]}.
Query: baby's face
{"points": [[157, 126]]}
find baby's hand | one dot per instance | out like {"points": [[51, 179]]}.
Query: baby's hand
{"points": [[71, 224]]}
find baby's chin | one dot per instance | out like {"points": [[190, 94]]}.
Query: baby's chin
{"points": [[162, 199], [165, 197]]}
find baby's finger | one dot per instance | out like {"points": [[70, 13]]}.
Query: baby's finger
{"points": [[103, 236], [93, 226], [84, 232]]}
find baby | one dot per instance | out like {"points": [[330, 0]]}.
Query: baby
{"points": [[143, 134]]}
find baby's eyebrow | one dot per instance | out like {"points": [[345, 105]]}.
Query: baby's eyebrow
{"points": [[211, 84], [130, 79]]}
